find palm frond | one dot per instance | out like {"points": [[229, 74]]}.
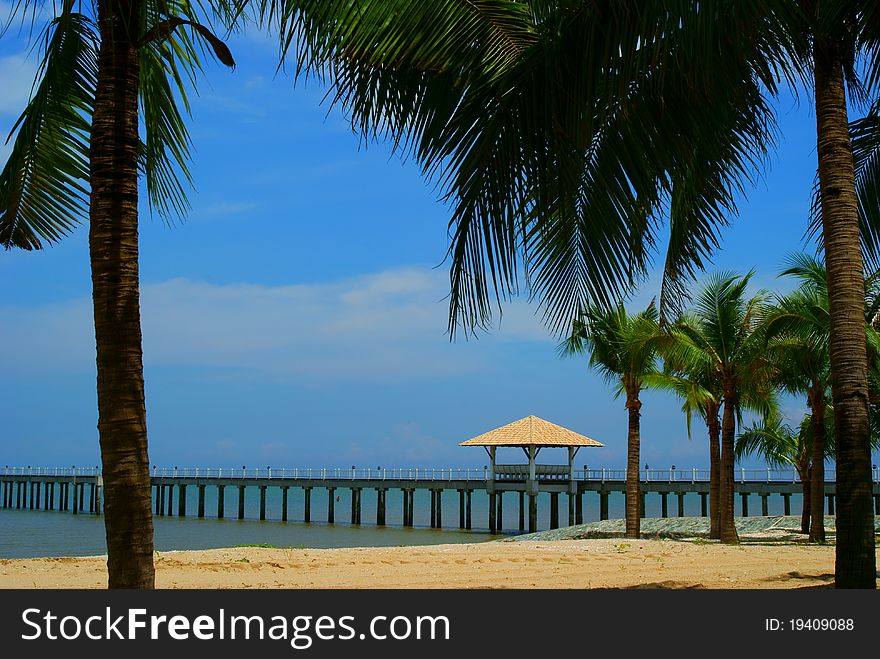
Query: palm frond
{"points": [[43, 191]]}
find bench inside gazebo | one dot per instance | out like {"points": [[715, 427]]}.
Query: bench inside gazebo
{"points": [[532, 434]]}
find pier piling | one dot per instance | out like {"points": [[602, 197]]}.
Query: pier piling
{"points": [[830, 498], [765, 505], [603, 505], [680, 496], [331, 505], [664, 507], [201, 511], [284, 490], [461, 509], [170, 494], [493, 511], [533, 512], [786, 504], [221, 503], [467, 521], [307, 504], [380, 506], [745, 503], [262, 503], [522, 512], [554, 510], [704, 504], [579, 508], [181, 500], [241, 502]]}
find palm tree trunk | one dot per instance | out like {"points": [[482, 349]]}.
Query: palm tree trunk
{"points": [[728, 433], [855, 565], [714, 472], [113, 248], [633, 500], [806, 481], [817, 472]]}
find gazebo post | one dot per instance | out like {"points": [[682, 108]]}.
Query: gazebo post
{"points": [[532, 488], [572, 484], [490, 488]]}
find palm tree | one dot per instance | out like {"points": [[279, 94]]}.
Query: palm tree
{"points": [[701, 392], [622, 348], [722, 335], [781, 445], [561, 131], [105, 67], [797, 334]]}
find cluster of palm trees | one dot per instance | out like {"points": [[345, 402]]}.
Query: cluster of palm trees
{"points": [[562, 134], [730, 353]]}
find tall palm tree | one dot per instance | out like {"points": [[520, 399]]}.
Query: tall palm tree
{"points": [[797, 335], [107, 66], [722, 335], [838, 34], [562, 131], [701, 392], [781, 445], [623, 349]]}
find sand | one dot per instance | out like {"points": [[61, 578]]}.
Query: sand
{"points": [[601, 563]]}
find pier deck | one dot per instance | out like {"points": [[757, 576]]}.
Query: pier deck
{"points": [[79, 490]]}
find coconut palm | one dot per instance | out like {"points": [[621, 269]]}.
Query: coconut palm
{"points": [[623, 349], [722, 336], [106, 68], [701, 393], [797, 334], [798, 331], [561, 131], [782, 446]]}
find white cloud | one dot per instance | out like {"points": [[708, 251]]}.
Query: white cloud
{"points": [[389, 325]]}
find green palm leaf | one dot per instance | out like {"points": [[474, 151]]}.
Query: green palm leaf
{"points": [[43, 192]]}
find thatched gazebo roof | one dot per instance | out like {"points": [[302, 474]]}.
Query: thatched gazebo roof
{"points": [[531, 431]]}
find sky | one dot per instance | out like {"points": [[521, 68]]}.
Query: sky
{"points": [[297, 316]]}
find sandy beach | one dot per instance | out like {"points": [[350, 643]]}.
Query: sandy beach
{"points": [[599, 563]]}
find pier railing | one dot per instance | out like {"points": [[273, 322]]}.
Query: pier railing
{"points": [[691, 475]]}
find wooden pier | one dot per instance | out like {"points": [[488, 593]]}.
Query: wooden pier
{"points": [[78, 491]]}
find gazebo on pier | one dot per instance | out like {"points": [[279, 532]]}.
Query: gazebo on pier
{"points": [[531, 434]]}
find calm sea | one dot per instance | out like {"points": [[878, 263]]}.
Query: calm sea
{"points": [[28, 534]]}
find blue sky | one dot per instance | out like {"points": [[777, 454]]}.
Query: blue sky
{"points": [[296, 318]]}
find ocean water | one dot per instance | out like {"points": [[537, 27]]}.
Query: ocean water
{"points": [[29, 533]]}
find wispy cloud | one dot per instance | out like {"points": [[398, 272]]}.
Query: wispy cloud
{"points": [[388, 326]]}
